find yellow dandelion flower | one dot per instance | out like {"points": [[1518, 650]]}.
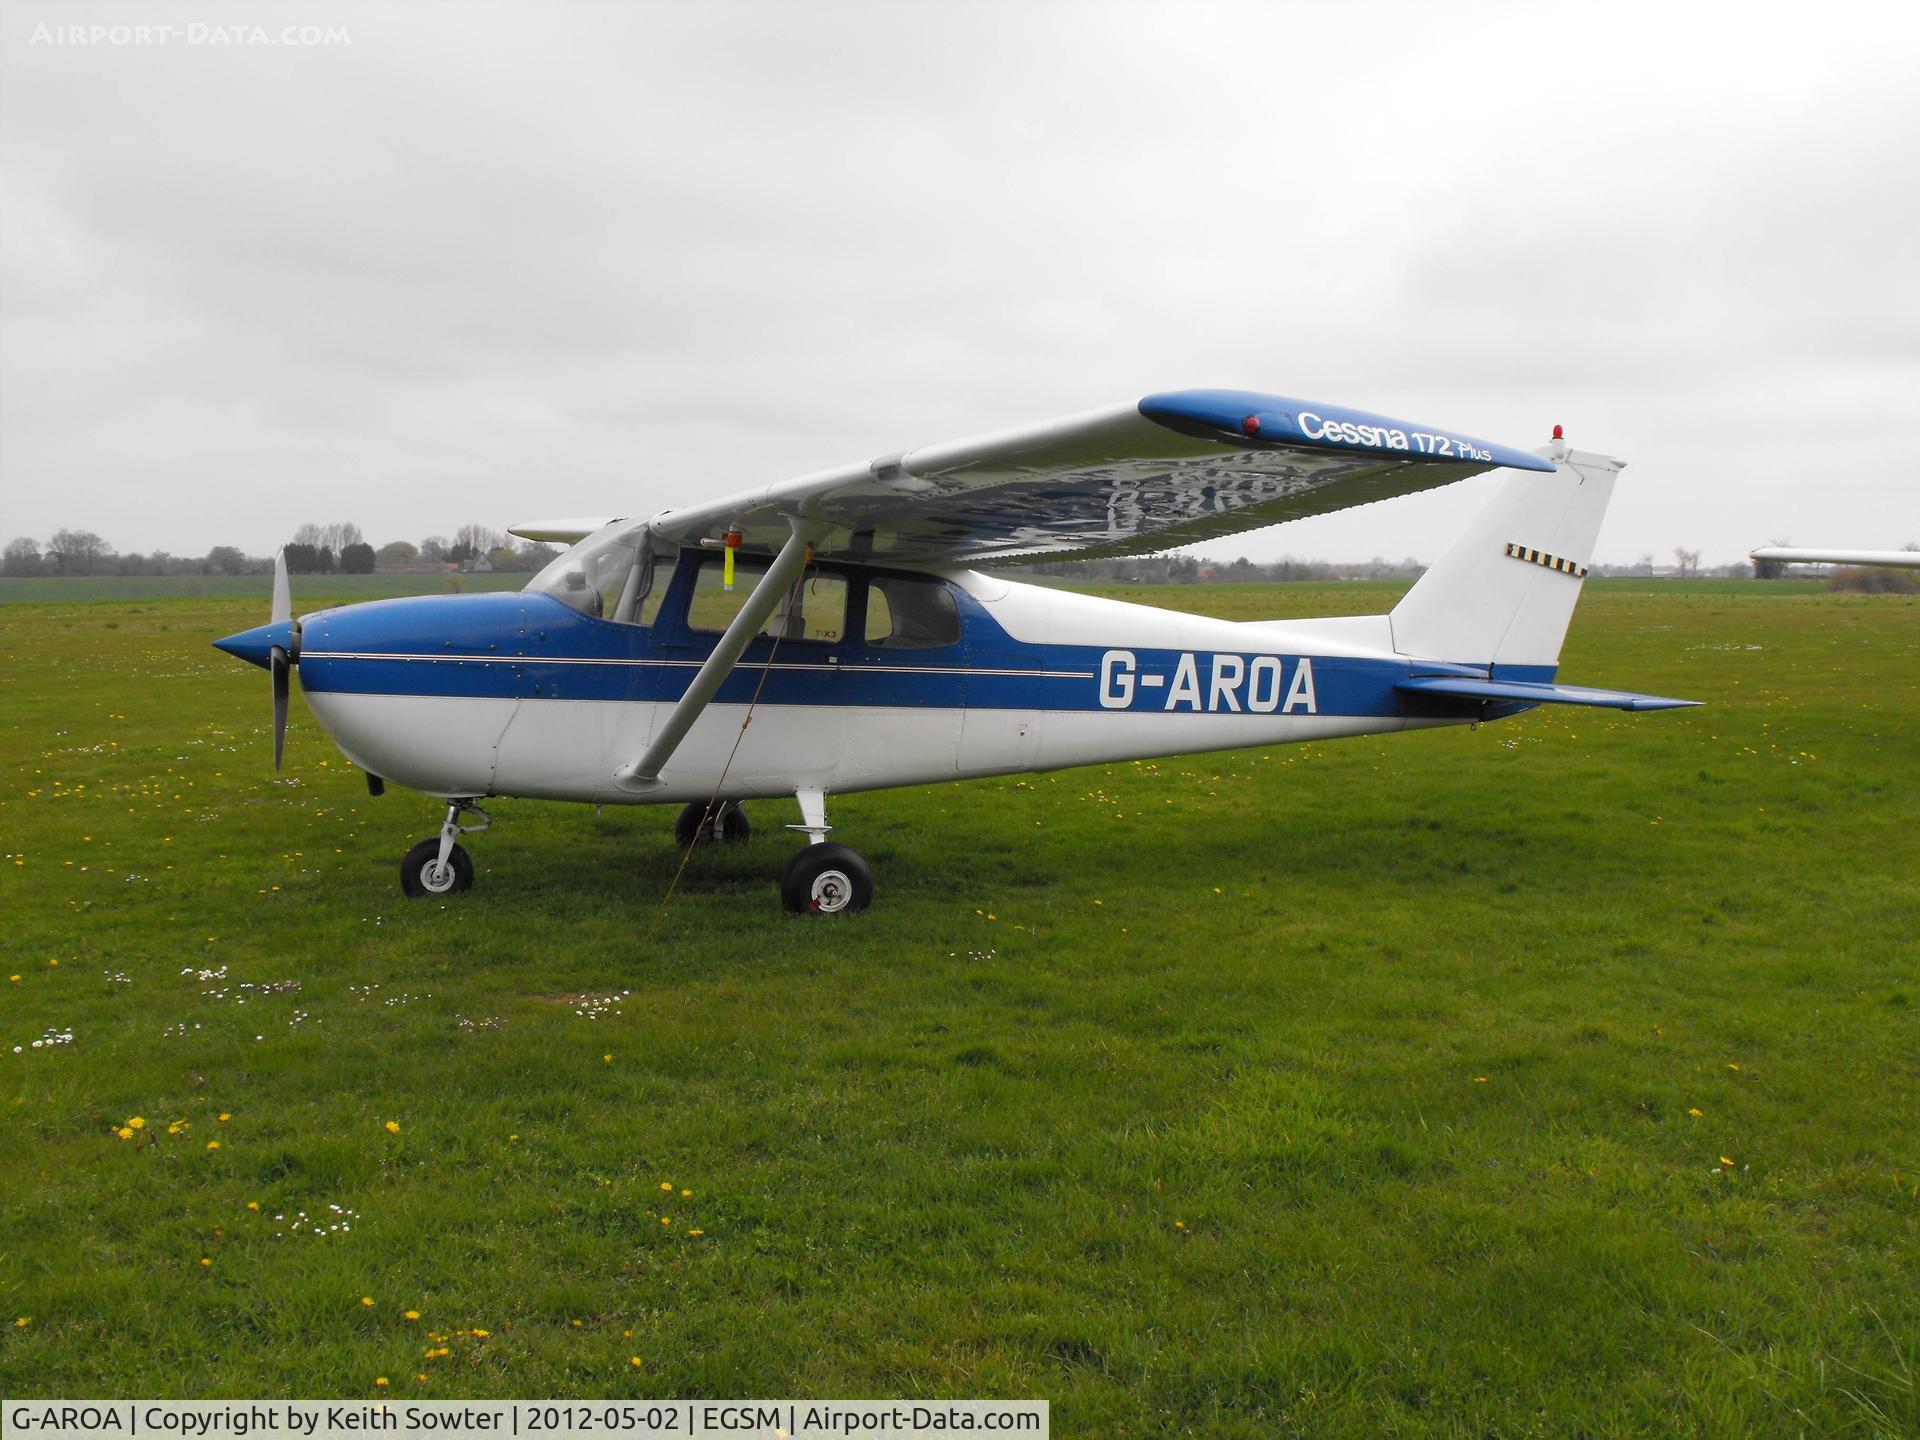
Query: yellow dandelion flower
{"points": [[225, 1116], [206, 1263], [666, 1185], [413, 1315], [380, 1381], [606, 1059], [666, 1219], [421, 1378], [366, 1300], [1479, 1079], [213, 1144], [696, 1233], [1692, 1111], [513, 1137], [1179, 1224], [1725, 1161], [136, 1123], [627, 1334], [1732, 1066], [253, 1204], [26, 1320], [393, 1127], [686, 1194], [14, 978], [633, 1360], [479, 1334], [124, 1133]]}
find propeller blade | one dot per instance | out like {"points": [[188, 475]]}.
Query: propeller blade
{"points": [[282, 596], [277, 663]]}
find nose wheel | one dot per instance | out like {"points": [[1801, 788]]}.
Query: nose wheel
{"points": [[725, 821], [440, 866]]}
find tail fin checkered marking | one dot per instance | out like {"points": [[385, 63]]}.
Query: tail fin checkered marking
{"points": [[1552, 562]]}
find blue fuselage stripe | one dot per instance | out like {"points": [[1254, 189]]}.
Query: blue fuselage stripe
{"points": [[530, 646]]}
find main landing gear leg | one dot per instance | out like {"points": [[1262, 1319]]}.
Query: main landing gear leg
{"points": [[439, 866], [824, 878]]}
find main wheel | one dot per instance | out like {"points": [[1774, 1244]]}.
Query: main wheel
{"points": [[695, 824], [420, 872], [826, 879]]}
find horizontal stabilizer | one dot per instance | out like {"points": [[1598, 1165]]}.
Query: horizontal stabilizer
{"points": [[1531, 693]]}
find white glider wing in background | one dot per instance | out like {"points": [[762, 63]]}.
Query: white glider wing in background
{"points": [[1169, 470], [1796, 555]]}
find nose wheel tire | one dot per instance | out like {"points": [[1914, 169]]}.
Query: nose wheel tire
{"points": [[826, 879], [695, 821], [420, 872]]}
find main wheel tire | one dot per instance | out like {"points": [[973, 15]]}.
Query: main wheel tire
{"points": [[694, 824], [420, 872], [826, 879]]}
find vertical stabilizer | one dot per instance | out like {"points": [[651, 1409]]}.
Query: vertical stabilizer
{"points": [[1504, 594]]}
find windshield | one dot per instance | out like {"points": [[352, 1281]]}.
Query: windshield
{"points": [[606, 575]]}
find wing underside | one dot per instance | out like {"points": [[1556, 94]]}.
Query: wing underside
{"points": [[1170, 470]]}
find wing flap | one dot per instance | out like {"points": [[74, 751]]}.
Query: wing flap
{"points": [[1462, 687]]}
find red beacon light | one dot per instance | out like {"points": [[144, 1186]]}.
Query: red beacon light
{"points": [[1251, 425], [1559, 433]]}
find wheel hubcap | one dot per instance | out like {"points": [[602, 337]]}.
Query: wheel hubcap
{"points": [[832, 891], [436, 877]]}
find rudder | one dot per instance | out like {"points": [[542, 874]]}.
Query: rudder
{"points": [[1504, 593]]}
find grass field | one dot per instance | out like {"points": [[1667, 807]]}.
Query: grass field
{"points": [[1555, 1078]]}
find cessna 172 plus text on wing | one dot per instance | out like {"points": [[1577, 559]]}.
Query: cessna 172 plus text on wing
{"points": [[847, 615]]}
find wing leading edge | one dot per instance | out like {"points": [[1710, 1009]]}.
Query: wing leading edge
{"points": [[1172, 469]]}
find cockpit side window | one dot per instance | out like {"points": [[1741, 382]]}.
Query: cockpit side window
{"points": [[815, 610]]}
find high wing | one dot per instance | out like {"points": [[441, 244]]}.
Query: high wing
{"points": [[568, 532], [1169, 470]]}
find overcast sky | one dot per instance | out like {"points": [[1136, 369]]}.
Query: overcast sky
{"points": [[498, 262]]}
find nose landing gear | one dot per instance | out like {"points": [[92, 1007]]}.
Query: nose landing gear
{"points": [[725, 821], [440, 866]]}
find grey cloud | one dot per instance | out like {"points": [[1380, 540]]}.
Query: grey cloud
{"points": [[489, 261]]}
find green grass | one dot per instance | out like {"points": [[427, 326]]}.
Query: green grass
{"points": [[1332, 1090]]}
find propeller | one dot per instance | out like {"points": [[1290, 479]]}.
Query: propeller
{"points": [[279, 662], [275, 648]]}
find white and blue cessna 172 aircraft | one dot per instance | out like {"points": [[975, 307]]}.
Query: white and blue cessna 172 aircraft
{"points": [[843, 614]]}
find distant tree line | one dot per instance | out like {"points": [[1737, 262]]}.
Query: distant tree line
{"points": [[341, 549], [314, 550]]}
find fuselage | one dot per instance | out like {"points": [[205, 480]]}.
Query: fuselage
{"points": [[526, 694]]}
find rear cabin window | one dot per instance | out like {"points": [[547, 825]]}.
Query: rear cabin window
{"points": [[910, 614], [817, 611]]}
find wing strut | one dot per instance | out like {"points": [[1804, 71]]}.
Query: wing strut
{"points": [[644, 774]]}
